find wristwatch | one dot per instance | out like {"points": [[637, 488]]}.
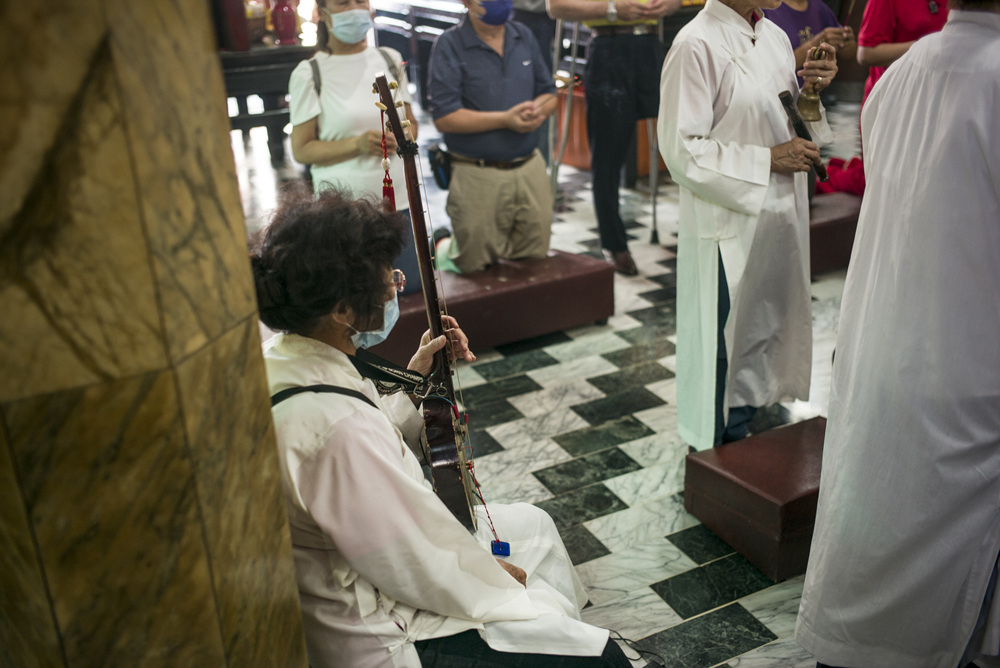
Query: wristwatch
{"points": [[612, 11]]}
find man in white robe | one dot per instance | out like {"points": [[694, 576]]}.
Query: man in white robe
{"points": [[907, 533], [728, 143]]}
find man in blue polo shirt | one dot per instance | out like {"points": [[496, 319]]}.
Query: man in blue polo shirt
{"points": [[490, 89]]}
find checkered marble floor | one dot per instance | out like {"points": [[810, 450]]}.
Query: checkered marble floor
{"points": [[583, 423]]}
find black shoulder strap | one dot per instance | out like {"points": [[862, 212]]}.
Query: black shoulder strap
{"points": [[393, 69], [278, 397], [317, 80]]}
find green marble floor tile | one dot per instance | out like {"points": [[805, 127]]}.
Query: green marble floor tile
{"points": [[581, 545], [515, 364], [644, 352], [605, 435], [497, 390], [582, 505], [637, 375], [617, 405], [710, 639], [700, 544], [586, 470], [710, 586]]}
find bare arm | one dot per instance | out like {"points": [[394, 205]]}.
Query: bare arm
{"points": [[882, 55], [309, 150], [523, 117]]}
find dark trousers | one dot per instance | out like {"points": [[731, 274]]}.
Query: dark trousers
{"points": [[739, 416], [469, 649], [622, 85]]}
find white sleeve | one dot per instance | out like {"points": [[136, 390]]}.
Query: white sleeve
{"points": [[404, 415], [303, 103], [732, 175], [396, 533]]}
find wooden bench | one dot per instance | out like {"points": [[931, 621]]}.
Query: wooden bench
{"points": [[511, 301], [759, 494], [833, 219]]}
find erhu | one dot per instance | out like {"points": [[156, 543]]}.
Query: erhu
{"points": [[446, 437]]}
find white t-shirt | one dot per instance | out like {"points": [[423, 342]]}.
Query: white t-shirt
{"points": [[346, 108]]}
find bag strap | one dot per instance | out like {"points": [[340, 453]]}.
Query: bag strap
{"points": [[317, 80], [278, 397], [393, 68]]}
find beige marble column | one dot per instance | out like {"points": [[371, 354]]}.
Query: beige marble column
{"points": [[141, 515]]}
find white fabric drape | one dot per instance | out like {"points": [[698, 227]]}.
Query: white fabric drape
{"points": [[908, 525]]}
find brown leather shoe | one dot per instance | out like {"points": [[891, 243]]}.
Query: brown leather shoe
{"points": [[622, 260]]}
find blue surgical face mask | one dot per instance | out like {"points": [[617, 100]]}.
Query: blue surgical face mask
{"points": [[497, 11], [350, 27], [390, 314]]}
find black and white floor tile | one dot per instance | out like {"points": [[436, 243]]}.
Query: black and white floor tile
{"points": [[583, 424]]}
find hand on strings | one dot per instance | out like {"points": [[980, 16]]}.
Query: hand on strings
{"points": [[524, 117], [819, 73], [370, 143], [423, 360], [515, 572], [797, 155]]}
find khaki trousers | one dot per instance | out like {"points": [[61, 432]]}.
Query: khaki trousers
{"points": [[498, 213]]}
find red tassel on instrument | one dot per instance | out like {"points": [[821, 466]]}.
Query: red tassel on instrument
{"points": [[388, 195]]}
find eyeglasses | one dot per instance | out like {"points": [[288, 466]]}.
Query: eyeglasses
{"points": [[398, 279]]}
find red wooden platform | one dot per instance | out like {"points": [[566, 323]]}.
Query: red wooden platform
{"points": [[511, 301], [759, 494], [833, 219]]}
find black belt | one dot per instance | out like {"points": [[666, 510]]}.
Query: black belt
{"points": [[636, 29], [497, 164]]}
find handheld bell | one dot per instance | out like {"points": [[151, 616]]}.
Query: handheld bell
{"points": [[808, 102]]}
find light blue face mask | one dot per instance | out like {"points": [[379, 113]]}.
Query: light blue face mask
{"points": [[390, 314], [350, 27]]}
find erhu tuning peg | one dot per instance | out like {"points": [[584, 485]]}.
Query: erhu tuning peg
{"points": [[393, 85], [399, 103], [381, 106]]}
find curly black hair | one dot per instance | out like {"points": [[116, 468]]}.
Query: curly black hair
{"points": [[319, 251]]}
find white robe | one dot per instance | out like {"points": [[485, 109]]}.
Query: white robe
{"points": [[719, 117], [908, 525], [380, 561]]}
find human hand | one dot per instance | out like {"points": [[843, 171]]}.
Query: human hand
{"points": [[834, 36], [370, 143], [423, 360], [515, 572], [819, 72], [523, 117], [849, 37], [797, 155], [655, 9]]}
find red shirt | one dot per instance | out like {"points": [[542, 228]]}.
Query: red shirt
{"points": [[892, 21]]}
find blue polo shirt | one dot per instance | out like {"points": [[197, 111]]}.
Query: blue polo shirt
{"points": [[466, 73]]}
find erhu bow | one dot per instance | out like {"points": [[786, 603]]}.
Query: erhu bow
{"points": [[446, 433]]}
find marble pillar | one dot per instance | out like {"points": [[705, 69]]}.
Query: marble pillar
{"points": [[141, 514]]}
